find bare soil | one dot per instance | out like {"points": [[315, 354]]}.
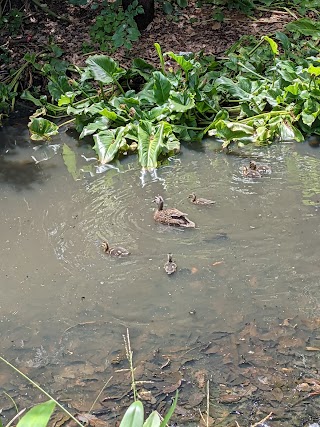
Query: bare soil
{"points": [[67, 26]]}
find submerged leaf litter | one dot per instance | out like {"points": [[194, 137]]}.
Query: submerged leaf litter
{"points": [[247, 375]]}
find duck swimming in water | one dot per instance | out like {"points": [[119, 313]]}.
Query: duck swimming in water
{"points": [[170, 266], [116, 251], [171, 216], [199, 200], [262, 169], [250, 173]]}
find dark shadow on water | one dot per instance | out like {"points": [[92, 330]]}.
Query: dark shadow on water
{"points": [[20, 175]]}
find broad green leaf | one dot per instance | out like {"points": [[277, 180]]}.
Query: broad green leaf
{"points": [[182, 3], [184, 64], [288, 132], [111, 115], [134, 416], [222, 115], [233, 130], [181, 101], [67, 98], [42, 129], [167, 7], [307, 118], [26, 94], [284, 39], [273, 45], [101, 123], [161, 87], [58, 87], [315, 71], [108, 143], [104, 69], [38, 416], [153, 420], [70, 161], [305, 26], [150, 143], [241, 90]]}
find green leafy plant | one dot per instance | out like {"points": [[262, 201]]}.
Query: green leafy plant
{"points": [[115, 27], [264, 91], [12, 20]]}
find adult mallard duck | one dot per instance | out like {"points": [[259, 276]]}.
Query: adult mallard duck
{"points": [[117, 251], [171, 216], [250, 173], [170, 266], [199, 200], [262, 169]]}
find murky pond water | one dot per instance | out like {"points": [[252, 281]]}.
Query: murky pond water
{"points": [[253, 259]]}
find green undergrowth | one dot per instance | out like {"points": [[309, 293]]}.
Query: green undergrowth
{"points": [[262, 91]]}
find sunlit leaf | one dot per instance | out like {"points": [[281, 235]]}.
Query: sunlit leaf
{"points": [[315, 71], [38, 416], [104, 68], [150, 142], [307, 118], [273, 45], [288, 132], [101, 123], [42, 129], [108, 143], [134, 415], [153, 420], [184, 64], [161, 87]]}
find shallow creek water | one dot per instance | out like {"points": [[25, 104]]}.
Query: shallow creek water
{"points": [[253, 256]]}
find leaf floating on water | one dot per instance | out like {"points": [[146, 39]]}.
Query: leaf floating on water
{"points": [[194, 270], [312, 348], [217, 263]]}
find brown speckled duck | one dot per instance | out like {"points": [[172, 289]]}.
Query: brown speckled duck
{"points": [[116, 251], [170, 266], [262, 169], [171, 216], [250, 173], [199, 200]]}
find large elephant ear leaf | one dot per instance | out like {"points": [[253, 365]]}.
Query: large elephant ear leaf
{"points": [[108, 143], [150, 143], [161, 88], [42, 129], [104, 69]]}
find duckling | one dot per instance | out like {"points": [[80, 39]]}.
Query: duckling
{"points": [[250, 173], [262, 169], [199, 200], [117, 251], [171, 216], [170, 266]]}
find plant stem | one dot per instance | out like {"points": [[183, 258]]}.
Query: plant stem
{"points": [[253, 72], [259, 116], [42, 390], [65, 123]]}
